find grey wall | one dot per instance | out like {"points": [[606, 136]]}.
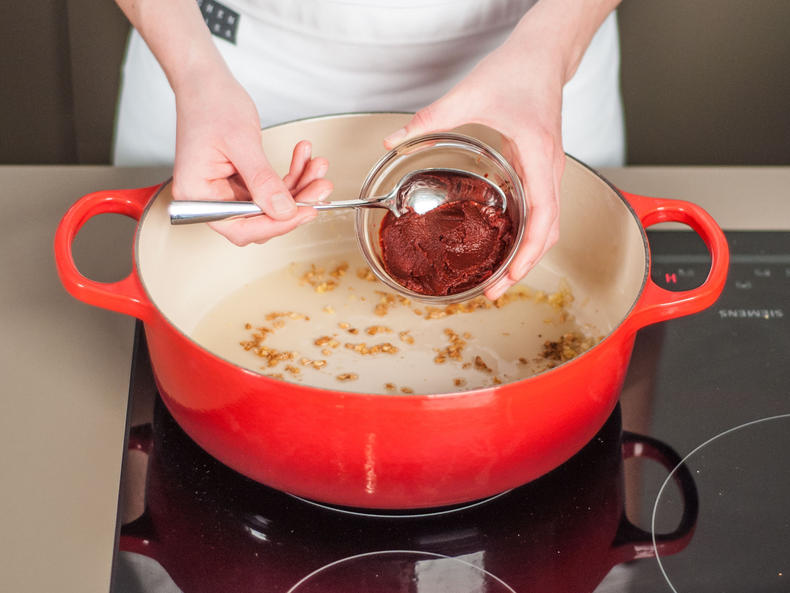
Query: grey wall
{"points": [[59, 71], [704, 81]]}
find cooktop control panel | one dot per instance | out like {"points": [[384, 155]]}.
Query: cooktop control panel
{"points": [[759, 275]]}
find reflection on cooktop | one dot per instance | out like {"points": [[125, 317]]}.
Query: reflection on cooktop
{"points": [[213, 529]]}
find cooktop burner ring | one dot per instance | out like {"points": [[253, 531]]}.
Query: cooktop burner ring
{"points": [[685, 462], [400, 514], [492, 583]]}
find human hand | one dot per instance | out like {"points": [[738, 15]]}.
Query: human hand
{"points": [[522, 99], [219, 157], [517, 90]]}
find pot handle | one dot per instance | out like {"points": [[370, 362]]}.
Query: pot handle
{"points": [[658, 304], [125, 296], [139, 536], [632, 542]]}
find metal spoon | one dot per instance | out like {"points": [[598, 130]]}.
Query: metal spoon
{"points": [[421, 191]]}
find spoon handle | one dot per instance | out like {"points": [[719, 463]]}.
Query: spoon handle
{"points": [[192, 211]]}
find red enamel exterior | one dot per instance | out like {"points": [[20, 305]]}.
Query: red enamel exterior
{"points": [[381, 451]]}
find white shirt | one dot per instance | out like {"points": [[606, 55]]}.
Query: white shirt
{"points": [[316, 57]]}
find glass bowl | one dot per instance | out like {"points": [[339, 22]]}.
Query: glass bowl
{"points": [[448, 150]]}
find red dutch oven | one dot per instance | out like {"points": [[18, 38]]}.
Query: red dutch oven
{"points": [[370, 449]]}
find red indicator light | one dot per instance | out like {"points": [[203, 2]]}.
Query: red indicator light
{"points": [[671, 278]]}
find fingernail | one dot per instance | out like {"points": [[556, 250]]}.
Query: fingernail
{"points": [[282, 204], [498, 289], [395, 137], [496, 292], [324, 195]]}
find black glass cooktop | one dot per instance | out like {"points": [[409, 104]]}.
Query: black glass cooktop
{"points": [[711, 390]]}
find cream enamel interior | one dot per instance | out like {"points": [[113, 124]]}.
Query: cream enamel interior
{"points": [[187, 270]]}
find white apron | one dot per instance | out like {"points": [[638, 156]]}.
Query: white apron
{"points": [[317, 57]]}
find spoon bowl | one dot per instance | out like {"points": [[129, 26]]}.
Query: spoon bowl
{"points": [[419, 191], [423, 190]]}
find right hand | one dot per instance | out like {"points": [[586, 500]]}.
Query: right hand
{"points": [[219, 156]]}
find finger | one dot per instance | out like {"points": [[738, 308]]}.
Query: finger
{"points": [[317, 190], [265, 186], [499, 288], [554, 232], [239, 190], [552, 229], [315, 169], [542, 222], [536, 235], [259, 229], [300, 158], [281, 227]]}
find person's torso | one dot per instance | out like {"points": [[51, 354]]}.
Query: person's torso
{"points": [[321, 56]]}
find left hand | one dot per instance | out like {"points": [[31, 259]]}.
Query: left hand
{"points": [[516, 90]]}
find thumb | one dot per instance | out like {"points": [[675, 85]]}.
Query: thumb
{"points": [[264, 184], [439, 116]]}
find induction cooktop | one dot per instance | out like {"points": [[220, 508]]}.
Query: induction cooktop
{"points": [[684, 489]]}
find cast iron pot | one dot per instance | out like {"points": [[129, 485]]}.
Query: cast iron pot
{"points": [[376, 450], [214, 530]]}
